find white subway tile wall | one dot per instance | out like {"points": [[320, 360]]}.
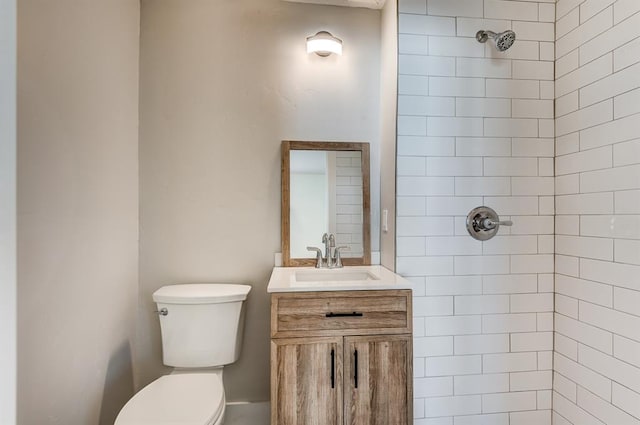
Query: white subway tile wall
{"points": [[597, 303], [349, 203], [476, 127]]}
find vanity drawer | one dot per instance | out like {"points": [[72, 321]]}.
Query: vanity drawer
{"points": [[340, 313]]}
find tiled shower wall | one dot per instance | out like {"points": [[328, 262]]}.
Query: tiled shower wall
{"points": [[476, 127], [349, 203], [597, 322]]}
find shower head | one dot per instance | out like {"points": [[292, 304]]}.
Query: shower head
{"points": [[503, 40]]}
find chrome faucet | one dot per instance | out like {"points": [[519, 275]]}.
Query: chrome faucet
{"points": [[328, 261], [337, 259], [319, 260], [329, 242]]}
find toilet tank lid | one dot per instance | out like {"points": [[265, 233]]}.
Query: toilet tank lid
{"points": [[201, 293]]}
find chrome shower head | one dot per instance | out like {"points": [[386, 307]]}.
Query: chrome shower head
{"points": [[503, 40]]}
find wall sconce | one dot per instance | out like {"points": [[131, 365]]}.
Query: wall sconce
{"points": [[323, 44]]}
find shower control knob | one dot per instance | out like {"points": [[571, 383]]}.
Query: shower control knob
{"points": [[489, 224], [483, 223]]}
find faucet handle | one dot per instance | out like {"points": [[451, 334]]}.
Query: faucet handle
{"points": [[338, 257], [332, 240], [318, 252]]}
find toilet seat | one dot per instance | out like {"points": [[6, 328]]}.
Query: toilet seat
{"points": [[179, 399]]}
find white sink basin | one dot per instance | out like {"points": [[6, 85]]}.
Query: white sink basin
{"points": [[351, 278], [338, 275]]}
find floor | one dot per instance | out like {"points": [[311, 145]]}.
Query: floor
{"points": [[247, 414]]}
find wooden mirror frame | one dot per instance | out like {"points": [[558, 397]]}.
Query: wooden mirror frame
{"points": [[363, 148]]}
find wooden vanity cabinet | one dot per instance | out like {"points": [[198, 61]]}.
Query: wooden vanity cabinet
{"points": [[341, 358], [306, 381]]}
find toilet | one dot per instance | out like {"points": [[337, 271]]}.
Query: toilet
{"points": [[201, 326]]}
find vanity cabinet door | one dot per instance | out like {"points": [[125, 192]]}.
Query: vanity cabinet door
{"points": [[378, 374], [306, 381]]}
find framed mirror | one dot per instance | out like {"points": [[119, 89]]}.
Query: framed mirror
{"points": [[325, 189]]}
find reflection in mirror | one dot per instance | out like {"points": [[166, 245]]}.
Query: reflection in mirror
{"points": [[325, 189], [325, 197]]}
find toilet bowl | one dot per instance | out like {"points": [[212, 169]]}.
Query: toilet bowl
{"points": [[186, 399], [201, 326]]}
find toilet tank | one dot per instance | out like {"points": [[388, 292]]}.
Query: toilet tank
{"points": [[201, 323]]}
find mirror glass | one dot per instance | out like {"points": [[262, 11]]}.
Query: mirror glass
{"points": [[325, 189], [325, 197]]}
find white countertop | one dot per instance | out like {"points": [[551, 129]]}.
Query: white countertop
{"points": [[350, 278]]}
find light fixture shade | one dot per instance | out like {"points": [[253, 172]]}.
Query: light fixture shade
{"points": [[323, 44]]}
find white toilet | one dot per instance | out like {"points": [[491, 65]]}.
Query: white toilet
{"points": [[201, 327]]}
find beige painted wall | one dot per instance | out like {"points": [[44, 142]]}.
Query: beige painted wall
{"points": [[388, 113], [77, 208], [7, 212], [222, 83]]}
